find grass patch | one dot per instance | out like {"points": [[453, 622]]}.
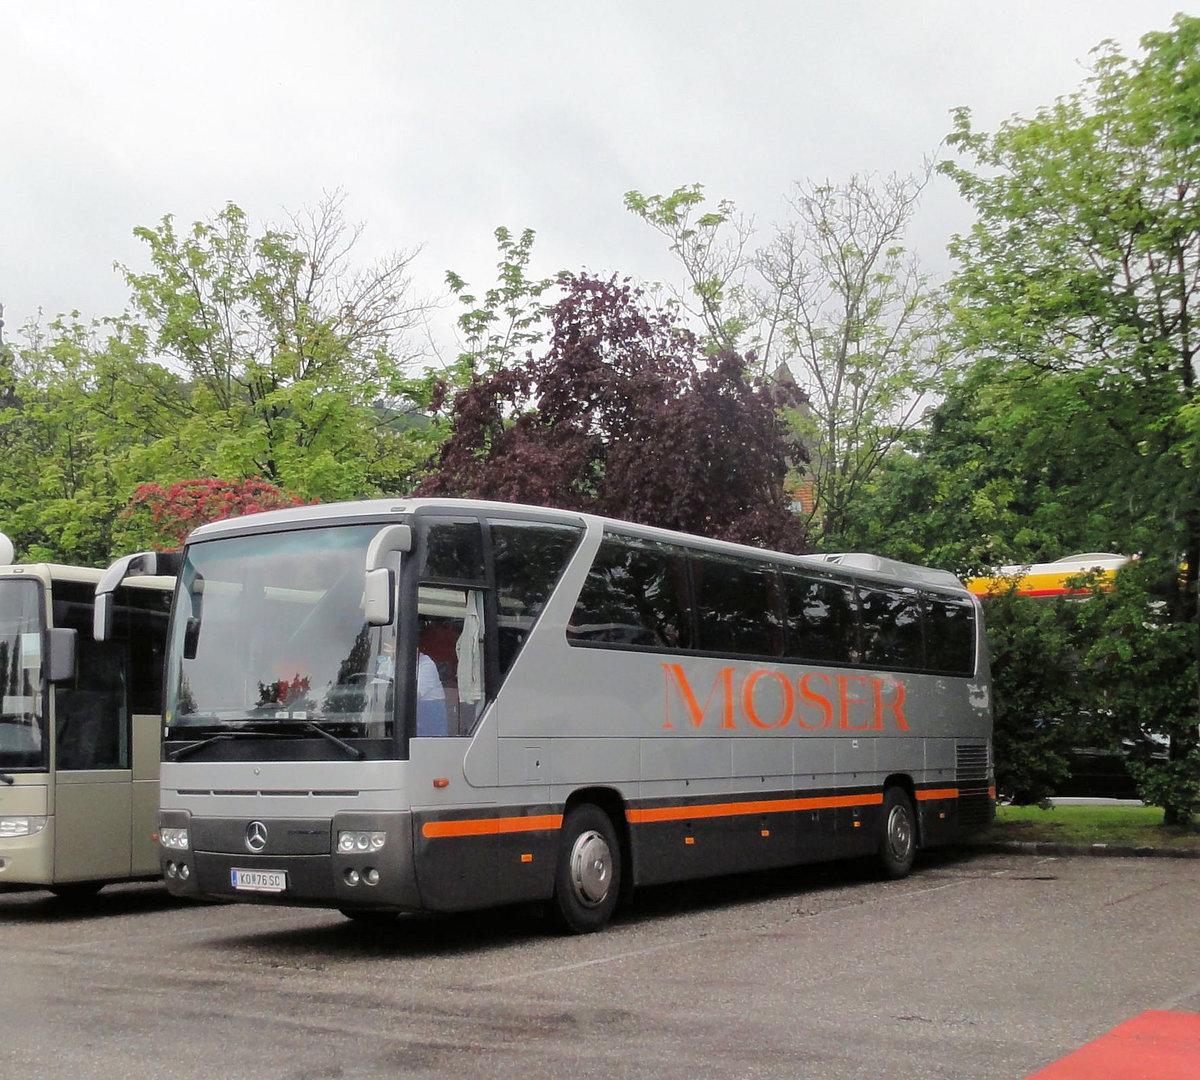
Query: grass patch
{"points": [[1117, 826]]}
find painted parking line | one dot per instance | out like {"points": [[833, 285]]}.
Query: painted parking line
{"points": [[1155, 1045]]}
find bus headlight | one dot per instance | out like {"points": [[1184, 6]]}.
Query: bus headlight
{"points": [[174, 839], [21, 826], [360, 841]]}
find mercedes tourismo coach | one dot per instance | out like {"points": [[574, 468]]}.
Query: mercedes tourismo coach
{"points": [[79, 729], [442, 705]]}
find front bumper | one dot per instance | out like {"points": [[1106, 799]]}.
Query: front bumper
{"points": [[317, 875]]}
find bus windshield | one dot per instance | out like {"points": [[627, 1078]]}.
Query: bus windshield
{"points": [[269, 639], [23, 740]]}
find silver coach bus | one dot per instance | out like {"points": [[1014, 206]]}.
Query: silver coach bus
{"points": [[79, 729], [442, 705]]}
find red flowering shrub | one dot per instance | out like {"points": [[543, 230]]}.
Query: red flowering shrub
{"points": [[175, 511]]}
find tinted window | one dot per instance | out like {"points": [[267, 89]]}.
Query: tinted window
{"points": [[453, 551], [635, 594], [820, 619], [529, 559], [90, 711], [890, 628], [950, 635], [737, 606], [140, 618]]}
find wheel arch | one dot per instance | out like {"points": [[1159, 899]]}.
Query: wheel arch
{"points": [[613, 804]]}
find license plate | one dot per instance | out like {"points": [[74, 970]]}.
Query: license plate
{"points": [[259, 880]]}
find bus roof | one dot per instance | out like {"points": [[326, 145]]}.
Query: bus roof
{"points": [[87, 575], [53, 572], [846, 565]]}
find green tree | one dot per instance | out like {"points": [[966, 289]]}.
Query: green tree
{"points": [[294, 359], [509, 317], [1082, 267], [79, 419], [836, 301], [1039, 712]]}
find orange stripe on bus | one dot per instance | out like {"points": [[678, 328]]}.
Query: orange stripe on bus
{"points": [[491, 826], [648, 815], [772, 806], [937, 793]]}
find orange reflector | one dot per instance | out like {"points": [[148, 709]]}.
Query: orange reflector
{"points": [[526, 858], [689, 839], [857, 824], [766, 832], [441, 782]]}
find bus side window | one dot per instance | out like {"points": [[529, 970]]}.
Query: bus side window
{"points": [[821, 619], [141, 616], [737, 606], [450, 655], [890, 628], [91, 714], [529, 558], [950, 635], [636, 594]]}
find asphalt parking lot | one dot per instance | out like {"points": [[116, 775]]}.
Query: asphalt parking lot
{"points": [[978, 966]]}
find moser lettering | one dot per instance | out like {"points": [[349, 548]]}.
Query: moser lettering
{"points": [[769, 699]]}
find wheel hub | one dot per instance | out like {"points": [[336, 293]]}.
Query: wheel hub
{"points": [[591, 868]]}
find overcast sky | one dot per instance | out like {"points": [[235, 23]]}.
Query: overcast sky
{"points": [[443, 120]]}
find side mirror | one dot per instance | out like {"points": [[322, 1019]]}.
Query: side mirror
{"points": [[143, 562], [102, 616], [377, 597], [60, 655], [378, 586]]}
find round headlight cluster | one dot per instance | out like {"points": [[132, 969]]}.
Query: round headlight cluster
{"points": [[174, 839], [349, 841], [178, 870]]}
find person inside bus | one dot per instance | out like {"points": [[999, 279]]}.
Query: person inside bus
{"points": [[431, 698], [431, 695]]}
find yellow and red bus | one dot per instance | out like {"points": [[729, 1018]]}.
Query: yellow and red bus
{"points": [[1052, 579], [442, 705]]}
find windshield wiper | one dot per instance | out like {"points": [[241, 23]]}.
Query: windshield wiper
{"points": [[288, 726], [192, 747], [350, 751], [6, 779]]}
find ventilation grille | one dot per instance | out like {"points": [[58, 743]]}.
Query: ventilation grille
{"points": [[971, 765]]}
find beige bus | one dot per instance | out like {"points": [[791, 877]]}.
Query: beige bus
{"points": [[79, 729]]}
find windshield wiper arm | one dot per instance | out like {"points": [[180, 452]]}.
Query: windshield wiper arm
{"points": [[351, 751], [192, 747], [6, 779]]}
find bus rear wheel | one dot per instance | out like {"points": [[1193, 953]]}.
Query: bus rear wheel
{"points": [[587, 879], [898, 837]]}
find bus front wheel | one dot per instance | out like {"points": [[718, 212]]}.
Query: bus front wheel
{"points": [[898, 838], [587, 879]]}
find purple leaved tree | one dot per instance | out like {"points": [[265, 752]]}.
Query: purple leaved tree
{"points": [[624, 415]]}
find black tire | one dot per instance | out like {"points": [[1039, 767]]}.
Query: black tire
{"points": [[78, 892], [897, 834], [587, 879]]}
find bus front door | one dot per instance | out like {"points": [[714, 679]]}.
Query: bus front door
{"points": [[93, 811]]}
